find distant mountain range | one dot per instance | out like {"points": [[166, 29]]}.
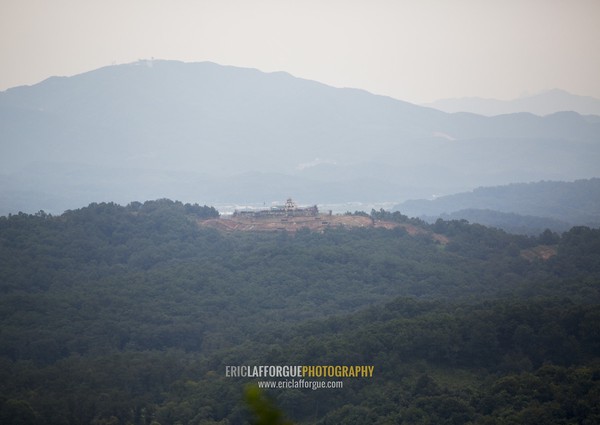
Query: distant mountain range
{"points": [[518, 208], [545, 103], [202, 132]]}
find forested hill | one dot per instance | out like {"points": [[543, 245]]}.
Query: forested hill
{"points": [[227, 134], [519, 207], [129, 314]]}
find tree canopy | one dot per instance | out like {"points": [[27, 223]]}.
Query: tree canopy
{"points": [[116, 314]]}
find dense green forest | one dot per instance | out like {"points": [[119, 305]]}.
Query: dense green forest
{"points": [[130, 314]]}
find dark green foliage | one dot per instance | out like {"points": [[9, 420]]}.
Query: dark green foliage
{"points": [[114, 314], [265, 413]]}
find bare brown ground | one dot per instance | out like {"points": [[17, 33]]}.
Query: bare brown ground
{"points": [[318, 223], [541, 252]]}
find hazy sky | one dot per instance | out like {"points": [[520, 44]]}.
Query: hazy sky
{"points": [[418, 50]]}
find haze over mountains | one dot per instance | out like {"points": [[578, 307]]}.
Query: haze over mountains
{"points": [[545, 103], [518, 208], [202, 132]]}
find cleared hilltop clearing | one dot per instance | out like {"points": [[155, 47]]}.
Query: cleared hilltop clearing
{"points": [[320, 222], [317, 223]]}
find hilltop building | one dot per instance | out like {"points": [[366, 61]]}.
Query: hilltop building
{"points": [[289, 209]]}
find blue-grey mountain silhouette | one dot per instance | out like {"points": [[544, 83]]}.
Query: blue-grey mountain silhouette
{"points": [[208, 133]]}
